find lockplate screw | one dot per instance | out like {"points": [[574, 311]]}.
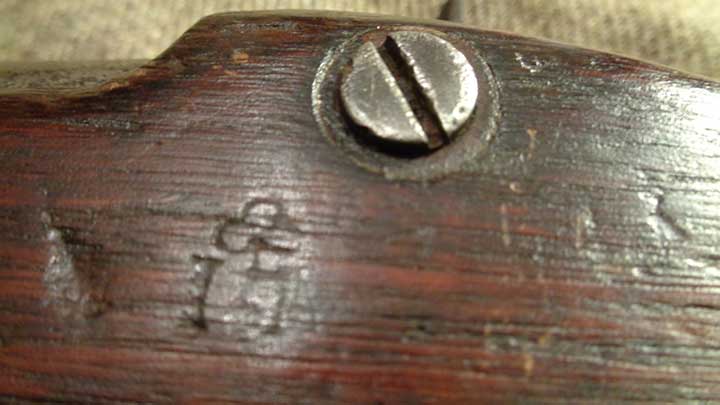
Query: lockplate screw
{"points": [[415, 88]]}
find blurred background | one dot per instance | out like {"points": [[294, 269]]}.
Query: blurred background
{"points": [[684, 34]]}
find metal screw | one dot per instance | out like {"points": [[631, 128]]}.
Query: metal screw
{"points": [[415, 88]]}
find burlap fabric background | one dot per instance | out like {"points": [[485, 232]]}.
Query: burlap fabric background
{"points": [[684, 34]]}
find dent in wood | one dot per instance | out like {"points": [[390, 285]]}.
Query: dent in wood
{"points": [[69, 290], [660, 220], [532, 64]]}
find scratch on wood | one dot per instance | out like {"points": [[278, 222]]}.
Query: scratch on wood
{"points": [[544, 340], [532, 134], [505, 225], [528, 364], [584, 223]]}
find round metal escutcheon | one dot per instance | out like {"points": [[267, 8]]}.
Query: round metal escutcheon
{"points": [[397, 160]]}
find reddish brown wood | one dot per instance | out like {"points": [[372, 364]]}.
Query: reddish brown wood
{"points": [[577, 259]]}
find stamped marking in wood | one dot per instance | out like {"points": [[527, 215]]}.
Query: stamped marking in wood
{"points": [[255, 277], [204, 269]]}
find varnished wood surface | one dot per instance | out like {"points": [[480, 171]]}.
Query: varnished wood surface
{"points": [[189, 235]]}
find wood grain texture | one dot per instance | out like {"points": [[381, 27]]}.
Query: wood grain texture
{"points": [[188, 235]]}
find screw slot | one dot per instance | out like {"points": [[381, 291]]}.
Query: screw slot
{"points": [[420, 104], [414, 89]]}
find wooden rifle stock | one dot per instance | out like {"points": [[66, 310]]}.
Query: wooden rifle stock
{"points": [[189, 231]]}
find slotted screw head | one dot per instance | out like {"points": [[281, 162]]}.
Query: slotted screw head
{"points": [[416, 88]]}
